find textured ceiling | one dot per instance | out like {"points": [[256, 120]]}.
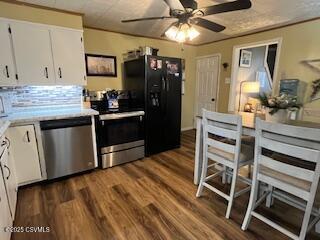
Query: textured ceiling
{"points": [[264, 14]]}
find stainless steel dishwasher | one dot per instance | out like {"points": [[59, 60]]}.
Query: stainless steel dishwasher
{"points": [[68, 146]]}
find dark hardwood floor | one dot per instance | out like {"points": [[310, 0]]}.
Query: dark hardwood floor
{"points": [[153, 198]]}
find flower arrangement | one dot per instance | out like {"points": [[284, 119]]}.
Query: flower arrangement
{"points": [[315, 89], [275, 103]]}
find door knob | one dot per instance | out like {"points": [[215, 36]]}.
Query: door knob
{"points": [[212, 99]]}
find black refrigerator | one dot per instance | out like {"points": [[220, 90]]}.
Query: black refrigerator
{"points": [[154, 83]]}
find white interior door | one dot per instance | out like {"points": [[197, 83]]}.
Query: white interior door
{"points": [[68, 56], [32, 49], [207, 83], [7, 70]]}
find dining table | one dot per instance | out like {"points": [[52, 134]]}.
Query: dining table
{"points": [[248, 129]]}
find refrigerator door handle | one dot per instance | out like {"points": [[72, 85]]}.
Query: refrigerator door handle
{"points": [[163, 83], [168, 88]]}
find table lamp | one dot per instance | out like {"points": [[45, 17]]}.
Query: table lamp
{"points": [[248, 87]]}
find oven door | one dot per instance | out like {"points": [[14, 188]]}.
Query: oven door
{"points": [[120, 129]]}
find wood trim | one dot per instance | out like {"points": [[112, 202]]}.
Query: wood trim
{"points": [[261, 31], [42, 7], [136, 35], [187, 128], [12, 20]]}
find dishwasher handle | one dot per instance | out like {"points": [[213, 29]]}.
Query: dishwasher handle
{"points": [[65, 123]]}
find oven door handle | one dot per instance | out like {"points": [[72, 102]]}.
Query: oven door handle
{"points": [[113, 116]]}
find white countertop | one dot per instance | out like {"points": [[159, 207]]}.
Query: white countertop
{"points": [[4, 124], [42, 115]]}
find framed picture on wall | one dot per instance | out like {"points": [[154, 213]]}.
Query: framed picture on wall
{"points": [[245, 58], [101, 65]]}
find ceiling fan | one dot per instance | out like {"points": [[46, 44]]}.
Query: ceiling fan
{"points": [[187, 14]]}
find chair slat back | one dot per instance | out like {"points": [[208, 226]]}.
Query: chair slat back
{"points": [[272, 136], [222, 126]]}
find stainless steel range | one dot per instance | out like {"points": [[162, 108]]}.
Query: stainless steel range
{"points": [[120, 133]]}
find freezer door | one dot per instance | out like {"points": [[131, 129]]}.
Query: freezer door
{"points": [[134, 81], [155, 106], [173, 99]]}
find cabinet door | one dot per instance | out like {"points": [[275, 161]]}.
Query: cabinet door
{"points": [[24, 150], [10, 180], [33, 55], [68, 55], [5, 218], [7, 69]]}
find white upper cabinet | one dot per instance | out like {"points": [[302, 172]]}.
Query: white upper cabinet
{"points": [[33, 55], [68, 55], [7, 68], [39, 54]]}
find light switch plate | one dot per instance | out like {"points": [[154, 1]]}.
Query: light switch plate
{"points": [[227, 80]]}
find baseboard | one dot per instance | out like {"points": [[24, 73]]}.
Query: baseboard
{"points": [[186, 129]]}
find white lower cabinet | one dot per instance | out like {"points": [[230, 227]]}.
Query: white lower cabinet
{"points": [[24, 149], [8, 187], [9, 175], [5, 217]]}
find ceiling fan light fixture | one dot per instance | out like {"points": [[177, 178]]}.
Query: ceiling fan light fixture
{"points": [[181, 36], [182, 33], [171, 33], [192, 33]]}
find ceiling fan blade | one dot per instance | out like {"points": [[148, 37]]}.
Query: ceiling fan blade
{"points": [[207, 24], [175, 5], [144, 19], [191, 4], [172, 24], [226, 7]]}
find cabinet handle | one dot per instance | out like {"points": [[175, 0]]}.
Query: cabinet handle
{"points": [[9, 172], [163, 84], [46, 72], [7, 72], [60, 72], [28, 137], [8, 142], [3, 143]]}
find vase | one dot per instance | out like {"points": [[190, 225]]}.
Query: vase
{"points": [[281, 116]]}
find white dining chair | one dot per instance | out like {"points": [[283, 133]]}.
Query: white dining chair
{"points": [[222, 146], [287, 177]]}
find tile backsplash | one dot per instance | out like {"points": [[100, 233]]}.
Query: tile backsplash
{"points": [[30, 97]]}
